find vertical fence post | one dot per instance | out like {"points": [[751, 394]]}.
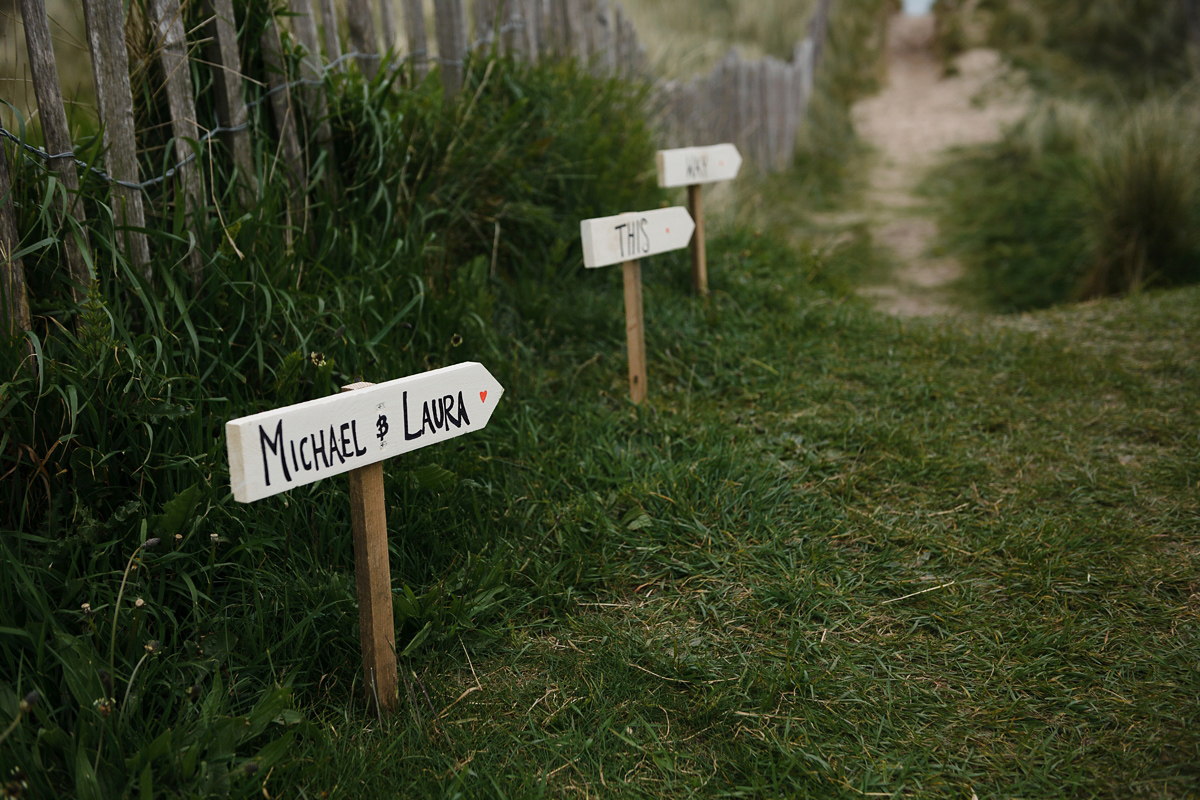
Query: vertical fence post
{"points": [[620, 42], [231, 104], [189, 184], [777, 103], [284, 114], [818, 31], [57, 138], [791, 80], [727, 98], [387, 24], [530, 34], [603, 53], [362, 36], [305, 28], [485, 13], [418, 42], [329, 21], [14, 301], [545, 28], [804, 60], [575, 39], [744, 121], [110, 66], [451, 18], [515, 38]]}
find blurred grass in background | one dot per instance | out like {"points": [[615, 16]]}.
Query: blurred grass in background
{"points": [[684, 38], [1097, 192]]}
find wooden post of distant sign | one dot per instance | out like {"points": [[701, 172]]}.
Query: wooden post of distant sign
{"points": [[635, 330], [624, 239], [692, 167], [278, 450]]}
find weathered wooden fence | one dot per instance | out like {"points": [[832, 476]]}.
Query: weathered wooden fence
{"points": [[757, 105]]}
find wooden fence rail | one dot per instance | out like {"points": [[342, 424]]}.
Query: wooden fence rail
{"points": [[758, 105]]}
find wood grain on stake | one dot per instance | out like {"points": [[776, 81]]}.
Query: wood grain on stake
{"points": [[635, 331]]}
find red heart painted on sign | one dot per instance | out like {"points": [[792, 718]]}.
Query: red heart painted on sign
{"points": [[483, 397]]}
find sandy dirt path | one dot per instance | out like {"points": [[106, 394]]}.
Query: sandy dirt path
{"points": [[919, 115]]}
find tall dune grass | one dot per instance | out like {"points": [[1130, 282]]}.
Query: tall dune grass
{"points": [[1108, 49], [1078, 201], [1144, 182]]}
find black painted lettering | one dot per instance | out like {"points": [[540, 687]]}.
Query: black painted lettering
{"points": [[427, 418], [644, 236], [277, 449], [621, 238], [358, 451], [346, 440], [462, 411], [439, 414], [304, 459], [409, 436], [295, 463], [320, 451], [448, 412], [333, 446]]}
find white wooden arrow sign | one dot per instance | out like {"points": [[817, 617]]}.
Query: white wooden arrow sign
{"points": [[690, 166], [274, 451], [626, 237]]}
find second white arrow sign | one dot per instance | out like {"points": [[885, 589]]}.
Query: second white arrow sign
{"points": [[625, 237]]}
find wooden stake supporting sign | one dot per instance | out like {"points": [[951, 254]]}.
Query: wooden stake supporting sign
{"points": [[274, 451], [692, 167], [624, 239]]}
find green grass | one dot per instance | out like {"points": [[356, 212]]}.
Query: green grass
{"points": [[1076, 201], [1112, 50], [716, 595], [835, 554]]}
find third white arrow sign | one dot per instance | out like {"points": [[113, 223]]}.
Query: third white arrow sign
{"points": [[691, 166], [626, 237]]}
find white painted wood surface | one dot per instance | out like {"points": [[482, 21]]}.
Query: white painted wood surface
{"points": [[275, 451], [690, 166], [627, 237]]}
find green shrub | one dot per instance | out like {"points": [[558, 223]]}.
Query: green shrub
{"points": [[1144, 181], [401, 262], [1109, 49], [1076, 202]]}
